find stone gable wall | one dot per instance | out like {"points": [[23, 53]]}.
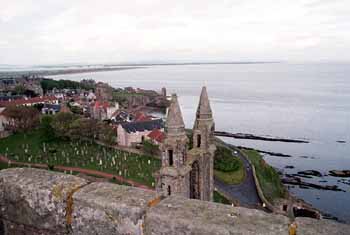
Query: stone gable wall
{"points": [[34, 201]]}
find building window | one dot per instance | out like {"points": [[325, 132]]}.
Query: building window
{"points": [[169, 190], [170, 155], [285, 207], [199, 140]]}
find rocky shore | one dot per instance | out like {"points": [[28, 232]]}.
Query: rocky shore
{"points": [[256, 137]]}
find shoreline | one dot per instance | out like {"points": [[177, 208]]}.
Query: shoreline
{"points": [[17, 74]]}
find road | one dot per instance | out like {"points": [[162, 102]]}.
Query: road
{"points": [[245, 192]]}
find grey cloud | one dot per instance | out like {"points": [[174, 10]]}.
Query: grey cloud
{"points": [[62, 31]]}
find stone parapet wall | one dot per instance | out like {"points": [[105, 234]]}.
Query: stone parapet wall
{"points": [[34, 201]]}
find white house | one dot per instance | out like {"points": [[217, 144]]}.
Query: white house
{"points": [[3, 122], [132, 133]]}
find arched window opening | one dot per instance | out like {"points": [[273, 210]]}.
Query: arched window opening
{"points": [[194, 181], [199, 140], [169, 190], [170, 155], [285, 207]]}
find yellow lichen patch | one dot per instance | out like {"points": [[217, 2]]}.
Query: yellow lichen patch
{"points": [[69, 207], [57, 192], [293, 228], [154, 201], [110, 217]]}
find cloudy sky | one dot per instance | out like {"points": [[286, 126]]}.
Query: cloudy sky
{"points": [[115, 31]]}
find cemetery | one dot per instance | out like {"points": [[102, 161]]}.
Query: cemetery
{"points": [[32, 148]]}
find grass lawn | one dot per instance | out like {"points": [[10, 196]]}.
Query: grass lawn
{"points": [[228, 168], [31, 148], [234, 177], [220, 199], [3, 165], [268, 177]]}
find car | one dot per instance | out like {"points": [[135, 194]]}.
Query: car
{"points": [[235, 152]]}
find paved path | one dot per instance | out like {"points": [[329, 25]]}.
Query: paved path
{"points": [[80, 170], [245, 192]]}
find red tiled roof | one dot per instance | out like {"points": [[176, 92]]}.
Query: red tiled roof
{"points": [[29, 101], [140, 117], [157, 135], [101, 104]]}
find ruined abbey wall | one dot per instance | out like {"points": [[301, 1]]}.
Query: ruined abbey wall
{"points": [[36, 201]]}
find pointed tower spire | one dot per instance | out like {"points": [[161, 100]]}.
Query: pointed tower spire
{"points": [[174, 123], [204, 110]]}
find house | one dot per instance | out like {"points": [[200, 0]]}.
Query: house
{"points": [[103, 110], [3, 122], [51, 108], [104, 92], [30, 101], [122, 116], [91, 96], [156, 136], [132, 133], [141, 117]]}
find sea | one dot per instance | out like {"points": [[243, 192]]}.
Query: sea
{"points": [[289, 100]]}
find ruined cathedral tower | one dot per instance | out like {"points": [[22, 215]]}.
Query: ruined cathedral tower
{"points": [[185, 172]]}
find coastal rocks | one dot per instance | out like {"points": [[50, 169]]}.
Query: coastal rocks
{"points": [[338, 173], [255, 137], [302, 184], [344, 181], [310, 172], [265, 152]]}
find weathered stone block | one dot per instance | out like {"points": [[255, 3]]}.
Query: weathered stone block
{"points": [[308, 226], [105, 208], [36, 198], [176, 215]]}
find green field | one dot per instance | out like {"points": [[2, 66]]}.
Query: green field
{"points": [[268, 177], [218, 198], [31, 148], [228, 168], [234, 177]]}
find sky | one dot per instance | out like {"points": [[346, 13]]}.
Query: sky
{"points": [[138, 31]]}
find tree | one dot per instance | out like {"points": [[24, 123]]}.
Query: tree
{"points": [[107, 134], [83, 128], [46, 127], [150, 148], [20, 89], [22, 118], [61, 123]]}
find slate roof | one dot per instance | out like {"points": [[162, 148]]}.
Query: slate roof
{"points": [[143, 126], [55, 107]]}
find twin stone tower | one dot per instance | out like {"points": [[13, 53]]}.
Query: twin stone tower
{"points": [[188, 172]]}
